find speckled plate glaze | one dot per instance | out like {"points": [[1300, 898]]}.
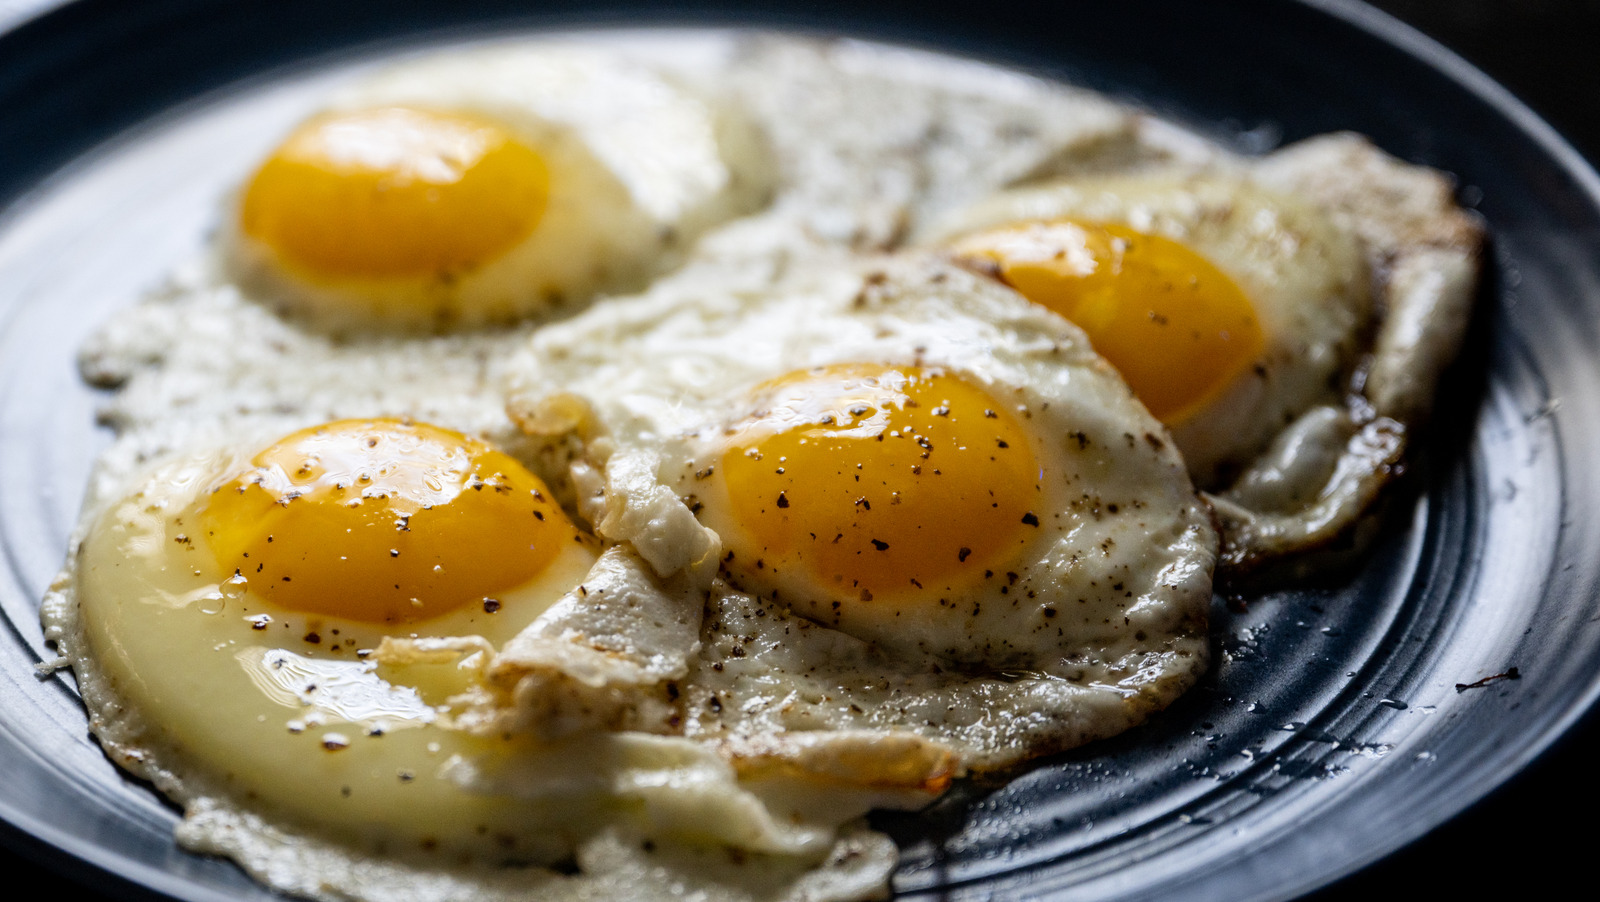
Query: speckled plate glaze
{"points": [[1341, 720]]}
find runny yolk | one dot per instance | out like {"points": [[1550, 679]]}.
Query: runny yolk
{"points": [[874, 481], [383, 521], [1177, 328], [395, 193]]}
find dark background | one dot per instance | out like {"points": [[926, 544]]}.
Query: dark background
{"points": [[1546, 51], [1534, 834]]}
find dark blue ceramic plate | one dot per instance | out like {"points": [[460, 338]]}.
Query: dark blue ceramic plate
{"points": [[1332, 730]]}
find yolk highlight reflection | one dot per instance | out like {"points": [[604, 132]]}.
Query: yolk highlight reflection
{"points": [[875, 481], [1177, 328]]}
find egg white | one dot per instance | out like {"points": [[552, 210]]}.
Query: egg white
{"points": [[1306, 279], [1361, 269], [1104, 617], [867, 146], [200, 685], [202, 364], [639, 166]]}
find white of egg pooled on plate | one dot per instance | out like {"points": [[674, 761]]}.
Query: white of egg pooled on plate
{"points": [[276, 638], [488, 185], [939, 521], [1246, 304]]}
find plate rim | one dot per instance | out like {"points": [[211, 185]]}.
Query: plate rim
{"points": [[1374, 24]]}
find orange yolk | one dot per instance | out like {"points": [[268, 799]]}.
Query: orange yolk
{"points": [[384, 521], [1176, 327], [395, 193], [875, 481]]}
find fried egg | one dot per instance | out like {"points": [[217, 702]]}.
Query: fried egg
{"points": [[237, 601], [914, 487], [279, 640], [484, 186], [1229, 309], [1248, 308], [660, 598]]}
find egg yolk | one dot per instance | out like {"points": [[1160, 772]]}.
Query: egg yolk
{"points": [[1176, 327], [879, 480], [383, 521], [395, 193]]}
